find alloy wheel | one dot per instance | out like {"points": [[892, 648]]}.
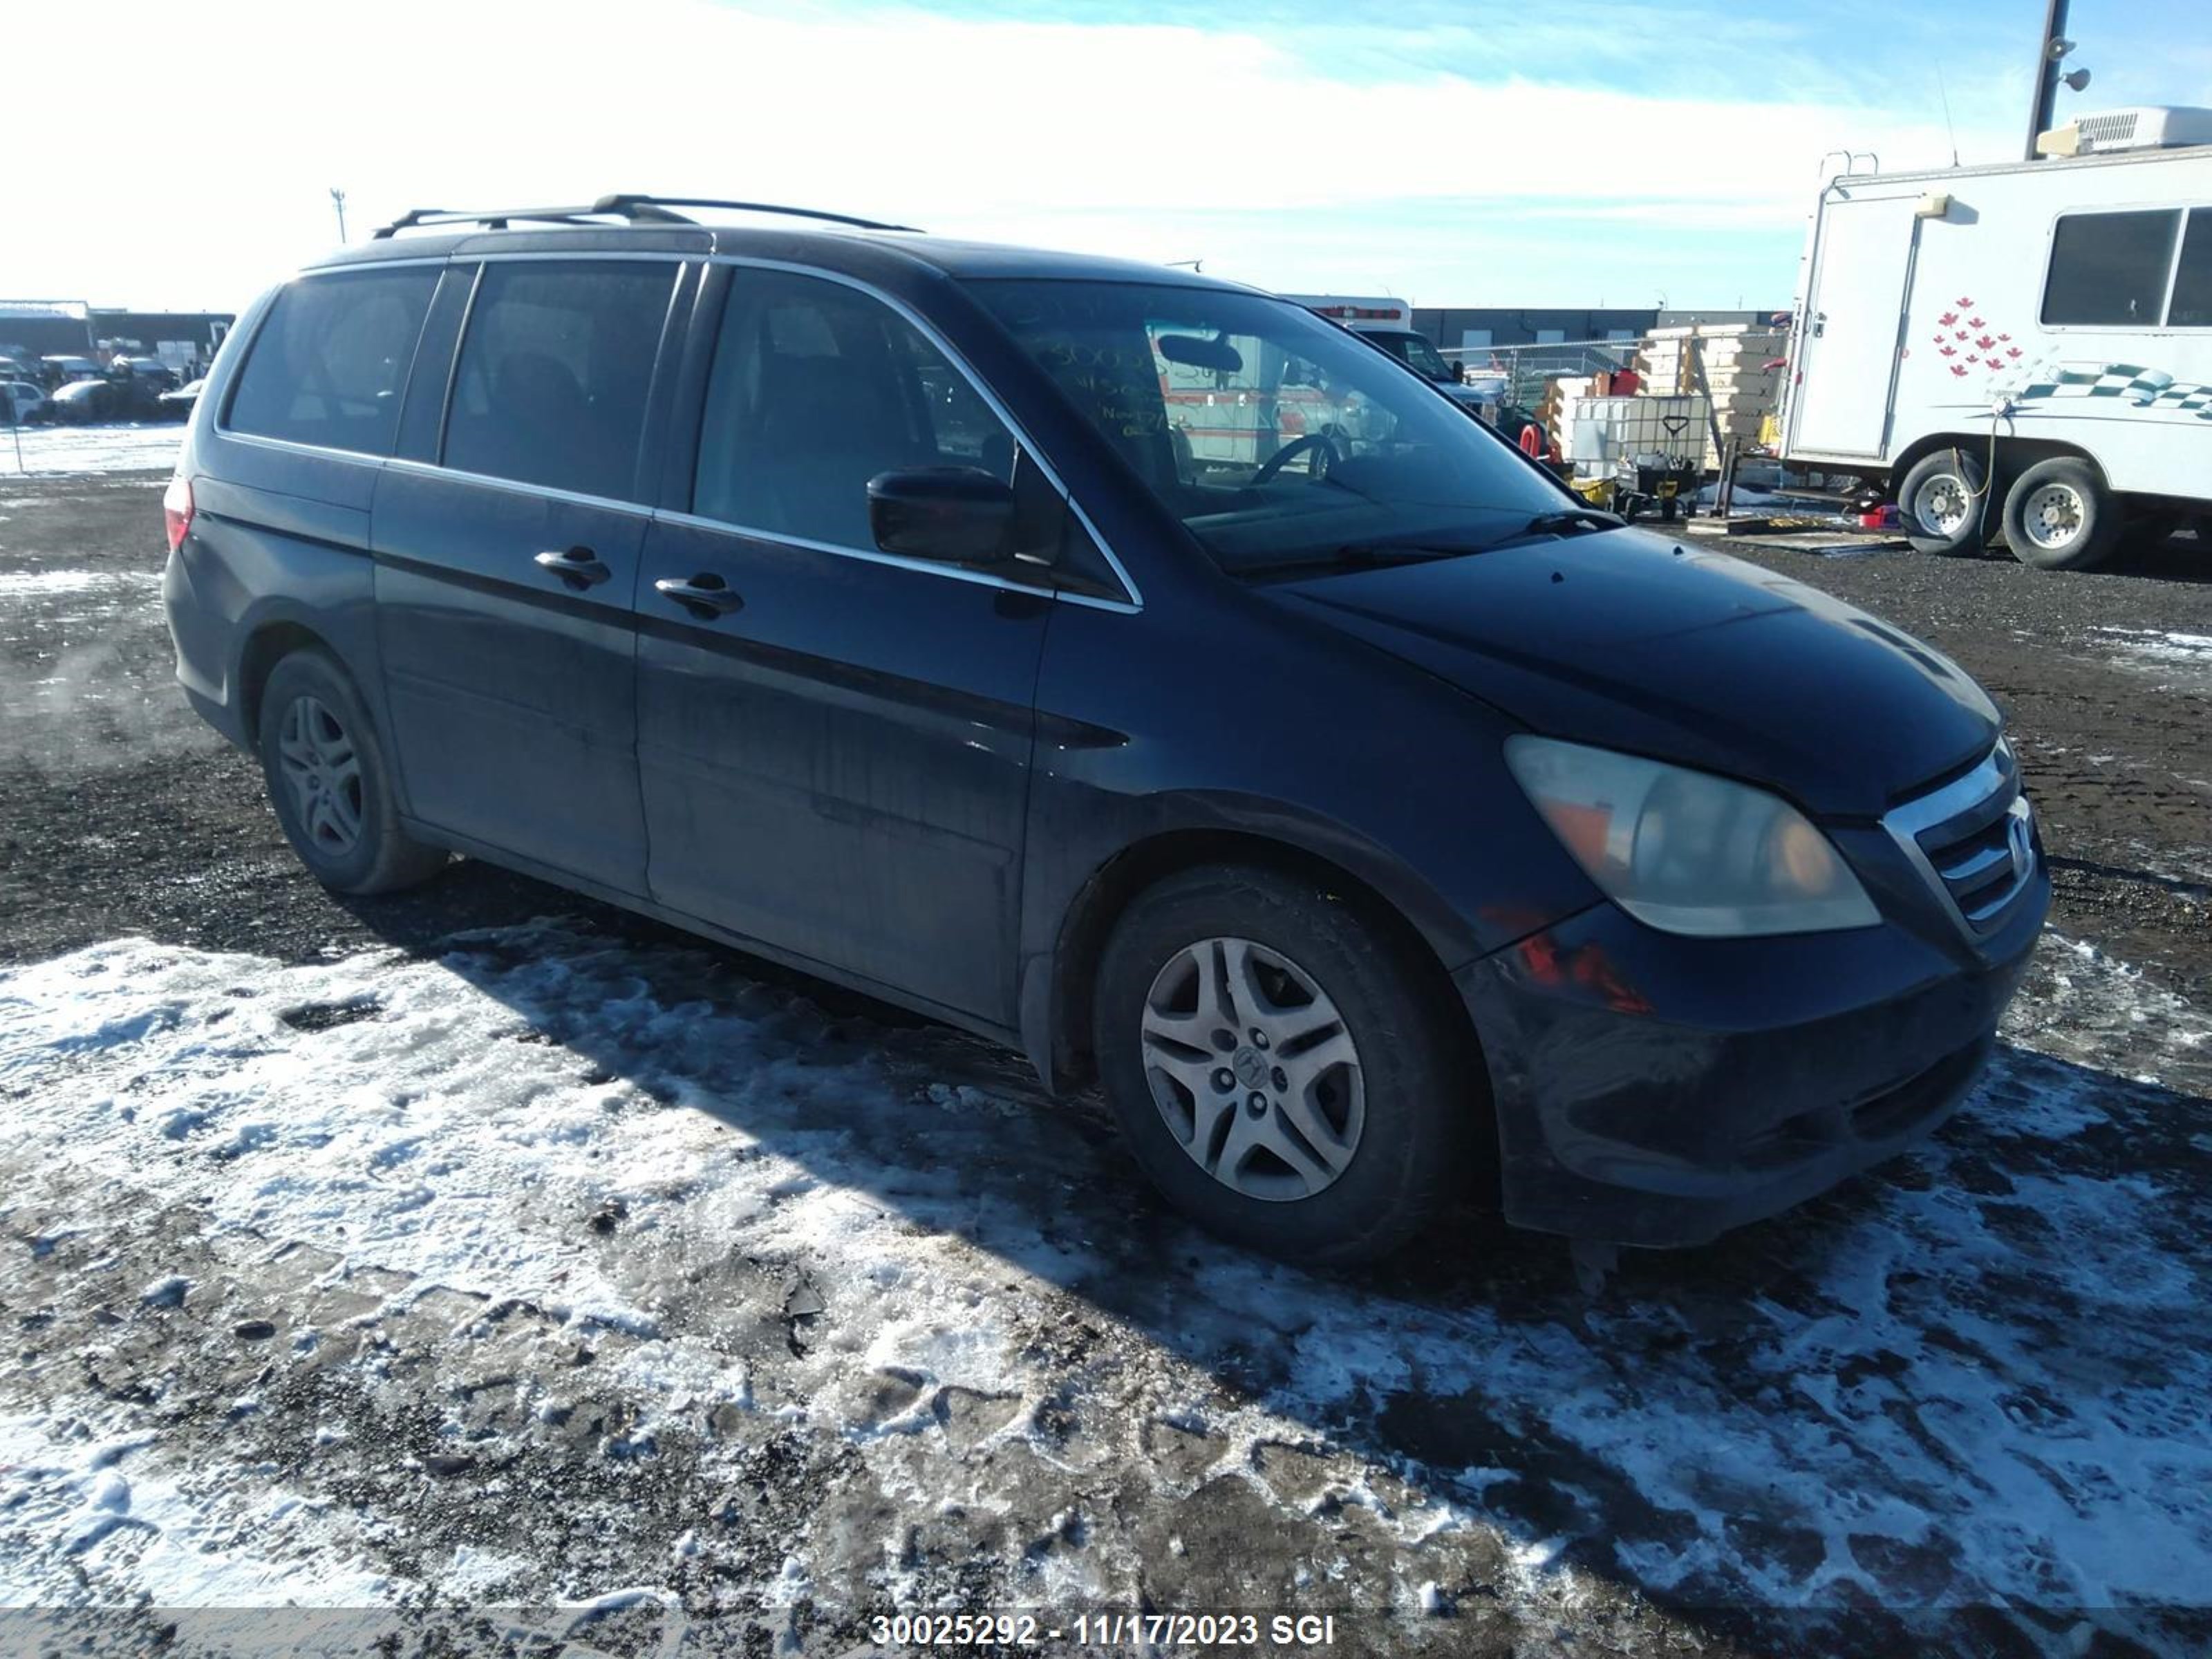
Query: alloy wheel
{"points": [[322, 770], [1253, 1069]]}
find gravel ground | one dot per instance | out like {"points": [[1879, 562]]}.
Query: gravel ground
{"points": [[482, 1245]]}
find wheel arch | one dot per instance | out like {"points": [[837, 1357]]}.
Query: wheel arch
{"points": [[1063, 1049], [2013, 454], [267, 643]]}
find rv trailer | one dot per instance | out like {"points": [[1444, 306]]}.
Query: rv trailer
{"points": [[2022, 350]]}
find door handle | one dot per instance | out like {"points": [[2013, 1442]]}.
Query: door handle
{"points": [[706, 596], [579, 566]]}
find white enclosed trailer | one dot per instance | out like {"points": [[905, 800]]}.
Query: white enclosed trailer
{"points": [[2025, 348]]}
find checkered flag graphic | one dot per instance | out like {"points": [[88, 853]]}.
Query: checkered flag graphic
{"points": [[2145, 388]]}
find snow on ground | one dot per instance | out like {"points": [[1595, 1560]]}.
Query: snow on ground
{"points": [[2179, 661], [874, 1257], [79, 449]]}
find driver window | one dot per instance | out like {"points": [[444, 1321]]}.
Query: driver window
{"points": [[816, 388]]}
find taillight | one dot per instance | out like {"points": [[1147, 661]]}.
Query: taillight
{"points": [[177, 510]]}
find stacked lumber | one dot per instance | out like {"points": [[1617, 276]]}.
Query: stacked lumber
{"points": [[1745, 392]]}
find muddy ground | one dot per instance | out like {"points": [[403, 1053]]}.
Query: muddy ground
{"points": [[1945, 1405]]}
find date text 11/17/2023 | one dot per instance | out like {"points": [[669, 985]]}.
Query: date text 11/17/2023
{"points": [[1139, 1631]]}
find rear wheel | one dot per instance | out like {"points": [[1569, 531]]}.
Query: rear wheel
{"points": [[1283, 1072], [330, 783], [2059, 516], [1942, 503]]}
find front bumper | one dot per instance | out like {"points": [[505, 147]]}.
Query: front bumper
{"points": [[1654, 1089]]}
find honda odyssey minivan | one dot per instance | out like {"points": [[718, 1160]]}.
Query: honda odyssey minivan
{"points": [[1122, 664]]}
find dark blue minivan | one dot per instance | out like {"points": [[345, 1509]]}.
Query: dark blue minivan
{"points": [[1124, 664]]}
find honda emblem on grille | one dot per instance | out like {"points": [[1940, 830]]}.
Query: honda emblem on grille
{"points": [[2020, 843]]}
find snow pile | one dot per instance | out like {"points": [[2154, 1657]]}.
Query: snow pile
{"points": [[61, 449], [1980, 1375]]}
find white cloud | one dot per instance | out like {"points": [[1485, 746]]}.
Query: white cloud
{"points": [[1155, 141]]}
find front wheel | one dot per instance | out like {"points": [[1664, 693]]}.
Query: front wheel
{"points": [[2058, 516], [1283, 1070], [331, 783]]}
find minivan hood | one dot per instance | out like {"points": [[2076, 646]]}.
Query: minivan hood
{"points": [[1633, 641]]}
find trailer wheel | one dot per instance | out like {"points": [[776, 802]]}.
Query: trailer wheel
{"points": [[1943, 504], [2059, 516]]}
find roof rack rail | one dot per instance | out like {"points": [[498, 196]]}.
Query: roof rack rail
{"points": [[638, 209], [640, 206]]}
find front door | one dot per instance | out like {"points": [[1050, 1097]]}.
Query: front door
{"points": [[833, 744], [504, 573]]}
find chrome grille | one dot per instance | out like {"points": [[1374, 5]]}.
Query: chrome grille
{"points": [[1973, 840]]}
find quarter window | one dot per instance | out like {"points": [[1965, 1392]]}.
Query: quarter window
{"points": [[2109, 270], [329, 365], [551, 384], [2191, 305], [816, 388]]}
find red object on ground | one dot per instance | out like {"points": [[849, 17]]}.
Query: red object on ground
{"points": [[1531, 441]]}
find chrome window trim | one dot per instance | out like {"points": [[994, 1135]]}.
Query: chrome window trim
{"points": [[1906, 822], [517, 486], [356, 266], [1134, 600], [290, 447], [870, 556]]}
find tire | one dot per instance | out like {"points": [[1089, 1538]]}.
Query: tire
{"points": [[1382, 1081], [1943, 504], [312, 725], [2059, 516]]}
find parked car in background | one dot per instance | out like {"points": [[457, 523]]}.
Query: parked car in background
{"points": [[60, 370], [76, 402], [1376, 821], [26, 402], [1387, 324], [176, 405]]}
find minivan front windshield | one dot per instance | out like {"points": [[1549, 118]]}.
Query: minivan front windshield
{"points": [[1280, 440]]}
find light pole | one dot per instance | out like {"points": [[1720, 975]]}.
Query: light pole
{"points": [[337, 200], [2052, 48]]}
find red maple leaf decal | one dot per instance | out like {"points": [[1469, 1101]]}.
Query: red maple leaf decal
{"points": [[2004, 337], [1973, 322], [1984, 343], [1963, 304], [1960, 333], [2012, 351], [1948, 318], [1957, 368], [1950, 351]]}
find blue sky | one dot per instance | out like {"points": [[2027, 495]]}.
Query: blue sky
{"points": [[1625, 152]]}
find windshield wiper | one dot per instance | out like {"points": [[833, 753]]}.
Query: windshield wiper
{"points": [[1366, 555], [1572, 521]]}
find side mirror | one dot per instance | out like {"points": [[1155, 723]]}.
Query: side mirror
{"points": [[958, 514]]}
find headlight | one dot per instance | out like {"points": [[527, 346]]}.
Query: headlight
{"points": [[1685, 852]]}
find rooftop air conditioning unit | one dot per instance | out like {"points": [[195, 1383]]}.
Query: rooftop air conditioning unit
{"points": [[2145, 126]]}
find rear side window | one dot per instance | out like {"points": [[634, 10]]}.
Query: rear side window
{"points": [[551, 384], [2191, 306], [329, 365], [816, 388], [2109, 270]]}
